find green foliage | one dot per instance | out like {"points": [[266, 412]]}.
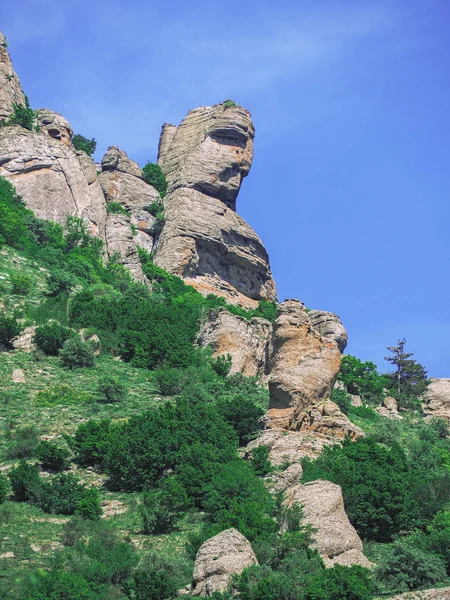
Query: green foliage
{"points": [[59, 585], [157, 210], [259, 458], [59, 282], [24, 116], [112, 389], [52, 456], [82, 143], [163, 507], [222, 365], [5, 488], [409, 380], [407, 567], [365, 412], [156, 578], [115, 208], [61, 394], [25, 481], [153, 175], [77, 354], [440, 427], [229, 104], [342, 400], [88, 507], [363, 379], [91, 442], [170, 381], [51, 338], [9, 330], [338, 583], [21, 283], [24, 442]]}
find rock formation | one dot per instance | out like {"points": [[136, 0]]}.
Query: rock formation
{"points": [[246, 341], [204, 240], [323, 508], [218, 559], [54, 125], [10, 89], [329, 326], [437, 399], [389, 408], [433, 594], [120, 243]]}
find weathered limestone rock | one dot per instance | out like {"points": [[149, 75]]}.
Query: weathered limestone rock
{"points": [[204, 240], [437, 399], [218, 559], [323, 508], [389, 408], [355, 400], [54, 125], [25, 340], [246, 341], [303, 365], [329, 326], [433, 594], [96, 209], [18, 376], [120, 242], [289, 447], [48, 176], [10, 89]]}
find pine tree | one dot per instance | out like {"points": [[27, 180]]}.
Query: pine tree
{"points": [[410, 377]]}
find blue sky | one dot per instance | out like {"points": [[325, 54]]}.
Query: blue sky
{"points": [[350, 184]]}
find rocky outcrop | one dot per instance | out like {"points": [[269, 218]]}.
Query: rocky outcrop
{"points": [[121, 245], [329, 326], [433, 594], [437, 399], [204, 240], [10, 89], [303, 365], [323, 507], [54, 125], [389, 408], [48, 176], [218, 559], [245, 341]]}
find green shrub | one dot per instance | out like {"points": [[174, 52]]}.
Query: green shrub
{"points": [[111, 389], [59, 282], [222, 365], [64, 494], [240, 408], [153, 175], [88, 507], [25, 481], [229, 104], [163, 507], [440, 426], [24, 442], [406, 567], [156, 578], [115, 208], [82, 143], [365, 412], [340, 583], [59, 585], [342, 400], [77, 354], [259, 459], [24, 116], [91, 442], [9, 330], [5, 488], [21, 283], [52, 457], [363, 379], [170, 382], [61, 394], [50, 338]]}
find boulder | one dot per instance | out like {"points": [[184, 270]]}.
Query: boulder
{"points": [[437, 399], [54, 125], [246, 341], [18, 376], [289, 447], [433, 594], [204, 240], [329, 326], [355, 400], [218, 559], [389, 408], [323, 507], [25, 340], [10, 89], [120, 243], [303, 365], [48, 176]]}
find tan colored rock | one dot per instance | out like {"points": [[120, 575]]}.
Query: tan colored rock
{"points": [[218, 559], [389, 409], [303, 365], [10, 89], [49, 178], [437, 399], [204, 240], [96, 209], [120, 243], [25, 340], [355, 400], [329, 326], [323, 507], [433, 594], [18, 376], [54, 125], [246, 341]]}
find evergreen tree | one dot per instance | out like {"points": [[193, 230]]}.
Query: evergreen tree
{"points": [[409, 380]]}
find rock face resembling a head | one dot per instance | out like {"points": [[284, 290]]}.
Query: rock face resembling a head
{"points": [[204, 241], [54, 125], [10, 89]]}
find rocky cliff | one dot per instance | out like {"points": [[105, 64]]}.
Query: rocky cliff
{"points": [[10, 89]]}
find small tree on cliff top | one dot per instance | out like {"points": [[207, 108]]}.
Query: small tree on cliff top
{"points": [[409, 380]]}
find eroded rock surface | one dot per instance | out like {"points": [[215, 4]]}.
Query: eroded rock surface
{"points": [[204, 240], [246, 341], [323, 508], [218, 559], [437, 399], [10, 89], [54, 125], [121, 244], [389, 408], [433, 594], [329, 326]]}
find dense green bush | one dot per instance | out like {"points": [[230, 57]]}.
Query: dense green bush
{"points": [[222, 365], [24, 442], [82, 143], [111, 389], [363, 379], [88, 507], [161, 508], [440, 426], [229, 104], [59, 282], [59, 585], [91, 442], [51, 338], [340, 583], [52, 456], [25, 481], [170, 381], [77, 354], [156, 209], [9, 330], [153, 175], [115, 208], [21, 283], [342, 400], [61, 394], [24, 116], [5, 488], [259, 459]]}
